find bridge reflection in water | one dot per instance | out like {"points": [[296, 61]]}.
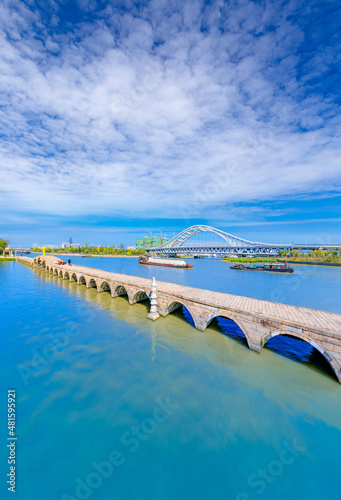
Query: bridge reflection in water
{"points": [[259, 321]]}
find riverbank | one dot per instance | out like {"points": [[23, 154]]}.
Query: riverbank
{"points": [[310, 263], [249, 260], [92, 256], [6, 259]]}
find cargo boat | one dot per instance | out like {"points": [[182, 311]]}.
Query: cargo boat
{"points": [[152, 261], [268, 268]]}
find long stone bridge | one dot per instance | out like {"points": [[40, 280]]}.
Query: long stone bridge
{"points": [[259, 320]]}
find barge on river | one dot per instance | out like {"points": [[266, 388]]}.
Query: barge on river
{"points": [[268, 268], [152, 261]]}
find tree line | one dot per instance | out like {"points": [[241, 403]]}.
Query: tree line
{"points": [[332, 255], [3, 244], [91, 250]]}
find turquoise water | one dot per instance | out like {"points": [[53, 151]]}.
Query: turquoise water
{"points": [[181, 413]]}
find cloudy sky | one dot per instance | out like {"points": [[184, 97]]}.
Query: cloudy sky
{"points": [[118, 118]]}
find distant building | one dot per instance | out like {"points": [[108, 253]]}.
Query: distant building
{"points": [[131, 248], [52, 246], [67, 245], [154, 241]]}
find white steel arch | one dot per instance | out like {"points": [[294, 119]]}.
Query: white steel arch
{"points": [[232, 241]]}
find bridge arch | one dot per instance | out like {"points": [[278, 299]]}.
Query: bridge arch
{"points": [[175, 304], [92, 283], [41, 262], [119, 290], [104, 286], [231, 240], [81, 280], [140, 296], [305, 337], [73, 277], [224, 314], [66, 275]]}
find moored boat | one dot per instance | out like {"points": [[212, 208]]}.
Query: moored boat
{"points": [[273, 268], [153, 261]]}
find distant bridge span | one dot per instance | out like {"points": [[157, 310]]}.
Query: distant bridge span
{"points": [[233, 244]]}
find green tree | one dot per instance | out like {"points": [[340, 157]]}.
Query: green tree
{"points": [[3, 244]]}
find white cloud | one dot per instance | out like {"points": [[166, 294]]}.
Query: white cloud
{"points": [[141, 114]]}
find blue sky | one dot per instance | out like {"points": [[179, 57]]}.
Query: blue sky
{"points": [[119, 118]]}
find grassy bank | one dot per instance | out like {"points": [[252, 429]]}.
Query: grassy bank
{"points": [[5, 259], [313, 262], [249, 260], [102, 251], [314, 257], [99, 256]]}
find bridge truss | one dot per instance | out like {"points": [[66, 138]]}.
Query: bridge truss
{"points": [[233, 245]]}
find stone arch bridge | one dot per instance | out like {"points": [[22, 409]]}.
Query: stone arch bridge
{"points": [[259, 320]]}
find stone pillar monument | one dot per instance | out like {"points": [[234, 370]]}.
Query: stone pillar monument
{"points": [[153, 313]]}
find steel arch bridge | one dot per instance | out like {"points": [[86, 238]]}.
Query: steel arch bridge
{"points": [[233, 244], [233, 241]]}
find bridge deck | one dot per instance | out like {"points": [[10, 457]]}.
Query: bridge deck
{"points": [[300, 317]]}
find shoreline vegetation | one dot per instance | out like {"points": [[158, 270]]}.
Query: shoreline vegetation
{"points": [[332, 256], [311, 262], [249, 260], [7, 259], [95, 256], [318, 257], [101, 251]]}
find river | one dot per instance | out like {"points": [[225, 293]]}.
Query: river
{"points": [[113, 406], [316, 287]]}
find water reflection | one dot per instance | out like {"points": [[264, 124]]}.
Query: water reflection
{"points": [[180, 336], [235, 406]]}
